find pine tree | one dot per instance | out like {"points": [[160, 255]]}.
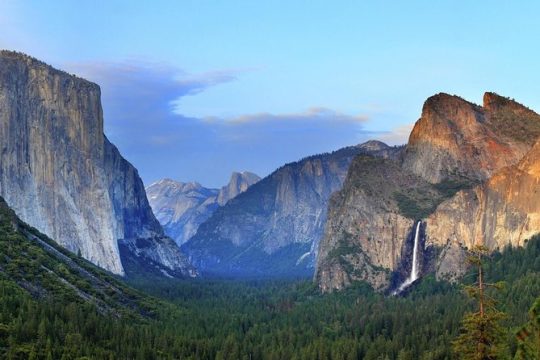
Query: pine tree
{"points": [[529, 335], [481, 337]]}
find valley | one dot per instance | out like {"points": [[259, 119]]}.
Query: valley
{"points": [[358, 253]]}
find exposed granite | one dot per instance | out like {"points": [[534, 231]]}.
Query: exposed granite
{"points": [[485, 151], [58, 171], [365, 231], [503, 211], [455, 139]]}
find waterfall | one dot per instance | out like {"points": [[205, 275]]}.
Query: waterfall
{"points": [[414, 270], [413, 276]]}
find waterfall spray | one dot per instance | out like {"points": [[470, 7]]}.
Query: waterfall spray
{"points": [[413, 276]]}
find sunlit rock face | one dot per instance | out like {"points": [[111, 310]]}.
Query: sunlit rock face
{"points": [[57, 169], [182, 207], [505, 210], [473, 172], [455, 139]]}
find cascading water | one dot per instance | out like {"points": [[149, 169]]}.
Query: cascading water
{"points": [[413, 276]]}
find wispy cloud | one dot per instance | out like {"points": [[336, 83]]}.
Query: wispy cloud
{"points": [[199, 82], [155, 83], [311, 115], [142, 119], [398, 135]]}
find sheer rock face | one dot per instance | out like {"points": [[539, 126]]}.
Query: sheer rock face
{"points": [[182, 207], [455, 139], [58, 171], [503, 211], [238, 183], [454, 142], [275, 226], [365, 231]]}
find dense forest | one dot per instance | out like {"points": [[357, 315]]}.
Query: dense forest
{"points": [[262, 319]]}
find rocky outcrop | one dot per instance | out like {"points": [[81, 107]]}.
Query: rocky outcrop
{"points": [[457, 140], [367, 225], [275, 226], [503, 211], [182, 207], [156, 256], [473, 184], [238, 183], [59, 172]]}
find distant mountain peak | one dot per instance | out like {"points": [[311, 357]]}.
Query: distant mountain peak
{"points": [[443, 103], [181, 207], [373, 145], [238, 183], [457, 140]]}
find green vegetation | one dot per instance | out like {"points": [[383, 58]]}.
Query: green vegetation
{"points": [[385, 184], [344, 247], [515, 122], [42, 317], [482, 336], [414, 207], [449, 188], [529, 335], [419, 202]]}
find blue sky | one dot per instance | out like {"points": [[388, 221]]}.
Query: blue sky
{"points": [[193, 90]]}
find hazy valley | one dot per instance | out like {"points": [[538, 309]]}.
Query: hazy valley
{"points": [[333, 256]]}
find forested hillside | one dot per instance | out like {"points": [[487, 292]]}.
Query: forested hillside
{"points": [[61, 307]]}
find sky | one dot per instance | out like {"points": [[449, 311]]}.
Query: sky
{"points": [[193, 90]]}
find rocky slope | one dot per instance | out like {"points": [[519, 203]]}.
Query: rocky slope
{"points": [[182, 207], [60, 173], [32, 261], [461, 155], [274, 227]]}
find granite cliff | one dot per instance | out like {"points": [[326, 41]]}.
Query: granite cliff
{"points": [[458, 140], [274, 227], [59, 172], [462, 172], [182, 207], [503, 211], [369, 221]]}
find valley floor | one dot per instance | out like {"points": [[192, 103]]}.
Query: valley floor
{"points": [[263, 319]]}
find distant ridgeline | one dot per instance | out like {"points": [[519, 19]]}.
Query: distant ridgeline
{"points": [[470, 173], [274, 227], [181, 207]]}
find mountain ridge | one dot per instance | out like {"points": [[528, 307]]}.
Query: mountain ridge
{"points": [[464, 152], [282, 214], [182, 207]]}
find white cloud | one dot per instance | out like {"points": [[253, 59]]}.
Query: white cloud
{"points": [[397, 136], [313, 114]]}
